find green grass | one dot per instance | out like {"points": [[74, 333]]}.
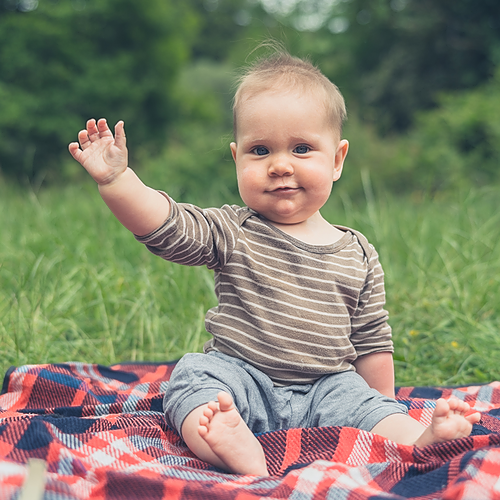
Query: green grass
{"points": [[75, 285], [442, 263]]}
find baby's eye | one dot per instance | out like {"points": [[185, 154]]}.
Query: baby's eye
{"points": [[260, 150], [302, 149]]}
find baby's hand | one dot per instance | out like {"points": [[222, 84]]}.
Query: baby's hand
{"points": [[103, 156]]}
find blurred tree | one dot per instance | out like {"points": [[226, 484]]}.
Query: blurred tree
{"points": [[64, 61], [231, 29], [392, 58], [459, 142], [222, 23], [453, 146], [408, 51]]}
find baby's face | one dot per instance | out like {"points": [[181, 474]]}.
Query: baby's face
{"points": [[287, 155]]}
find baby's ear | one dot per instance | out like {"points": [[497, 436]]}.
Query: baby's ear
{"points": [[233, 147], [340, 155]]}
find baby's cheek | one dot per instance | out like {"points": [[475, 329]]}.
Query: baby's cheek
{"points": [[249, 182]]}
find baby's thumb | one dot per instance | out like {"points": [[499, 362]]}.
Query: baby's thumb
{"points": [[120, 138]]}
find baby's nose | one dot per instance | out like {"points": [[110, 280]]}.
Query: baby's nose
{"points": [[280, 165]]}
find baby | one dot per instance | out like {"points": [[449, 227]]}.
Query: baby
{"points": [[300, 335]]}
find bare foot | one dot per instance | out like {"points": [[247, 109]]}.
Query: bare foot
{"points": [[450, 420], [223, 429]]}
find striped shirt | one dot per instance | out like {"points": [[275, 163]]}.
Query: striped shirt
{"points": [[293, 310]]}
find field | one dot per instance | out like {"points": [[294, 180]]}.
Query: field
{"points": [[74, 285]]}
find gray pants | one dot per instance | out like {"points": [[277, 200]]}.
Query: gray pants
{"points": [[340, 399]]}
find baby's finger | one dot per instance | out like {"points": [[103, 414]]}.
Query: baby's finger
{"points": [[74, 149], [84, 139], [102, 127], [92, 129], [120, 138]]}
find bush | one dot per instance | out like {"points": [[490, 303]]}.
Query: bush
{"points": [[196, 165], [68, 61], [454, 146], [460, 141]]}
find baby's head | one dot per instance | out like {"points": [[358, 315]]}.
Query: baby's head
{"points": [[282, 72], [287, 125]]}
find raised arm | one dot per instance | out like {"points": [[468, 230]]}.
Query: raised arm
{"points": [[105, 157]]}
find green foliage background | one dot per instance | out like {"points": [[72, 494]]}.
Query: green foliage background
{"points": [[420, 79], [67, 61]]}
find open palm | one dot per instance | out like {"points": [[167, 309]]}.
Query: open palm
{"points": [[103, 156]]}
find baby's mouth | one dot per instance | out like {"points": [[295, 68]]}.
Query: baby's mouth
{"points": [[285, 189]]}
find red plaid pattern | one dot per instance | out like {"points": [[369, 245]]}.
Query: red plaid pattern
{"points": [[101, 432]]}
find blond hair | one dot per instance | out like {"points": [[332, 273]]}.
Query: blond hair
{"points": [[282, 71]]}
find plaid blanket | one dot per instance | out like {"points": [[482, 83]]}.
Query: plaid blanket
{"points": [[101, 434]]}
